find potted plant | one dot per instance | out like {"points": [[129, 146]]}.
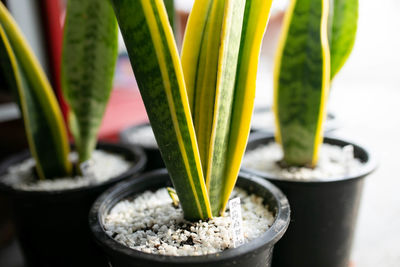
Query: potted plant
{"points": [[51, 211], [322, 179], [199, 108]]}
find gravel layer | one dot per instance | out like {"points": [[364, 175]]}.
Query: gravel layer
{"points": [[150, 223], [334, 162], [104, 166], [142, 136]]}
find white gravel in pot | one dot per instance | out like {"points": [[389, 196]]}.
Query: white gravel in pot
{"points": [[150, 223], [334, 162], [142, 136], [104, 166]]}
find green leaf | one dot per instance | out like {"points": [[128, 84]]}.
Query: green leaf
{"points": [[169, 5], [254, 25], [158, 72], [90, 51], [228, 58], [45, 129], [220, 65], [200, 57], [174, 197], [301, 81], [344, 18]]}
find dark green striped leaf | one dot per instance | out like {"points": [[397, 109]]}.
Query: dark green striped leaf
{"points": [[90, 52], [169, 5], [344, 15], [158, 72], [302, 75]]}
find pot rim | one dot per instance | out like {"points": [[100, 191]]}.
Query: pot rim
{"points": [[137, 154], [123, 135], [270, 237], [369, 162]]}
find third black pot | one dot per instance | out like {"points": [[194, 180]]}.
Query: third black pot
{"points": [[324, 213], [52, 226], [256, 253], [154, 158]]}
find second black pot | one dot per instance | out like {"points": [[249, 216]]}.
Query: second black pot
{"points": [[256, 253], [324, 213], [154, 158], [52, 226]]}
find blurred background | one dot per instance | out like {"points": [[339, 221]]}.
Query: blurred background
{"points": [[364, 106]]}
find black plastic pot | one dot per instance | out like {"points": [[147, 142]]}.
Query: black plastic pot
{"points": [[154, 158], [52, 225], [324, 213], [256, 253]]}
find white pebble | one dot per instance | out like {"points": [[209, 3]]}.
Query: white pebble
{"points": [[334, 162], [105, 166], [170, 234]]}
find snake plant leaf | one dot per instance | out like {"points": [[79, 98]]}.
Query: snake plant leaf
{"points": [[301, 81], [219, 57], [227, 65], [45, 129], [343, 32], [174, 197], [254, 25], [170, 6], [209, 60], [90, 51], [200, 57], [158, 72]]}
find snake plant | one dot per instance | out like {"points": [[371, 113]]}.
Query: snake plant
{"points": [[199, 105], [316, 40], [89, 56]]}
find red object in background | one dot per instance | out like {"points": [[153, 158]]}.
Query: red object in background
{"points": [[124, 109], [52, 11]]}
